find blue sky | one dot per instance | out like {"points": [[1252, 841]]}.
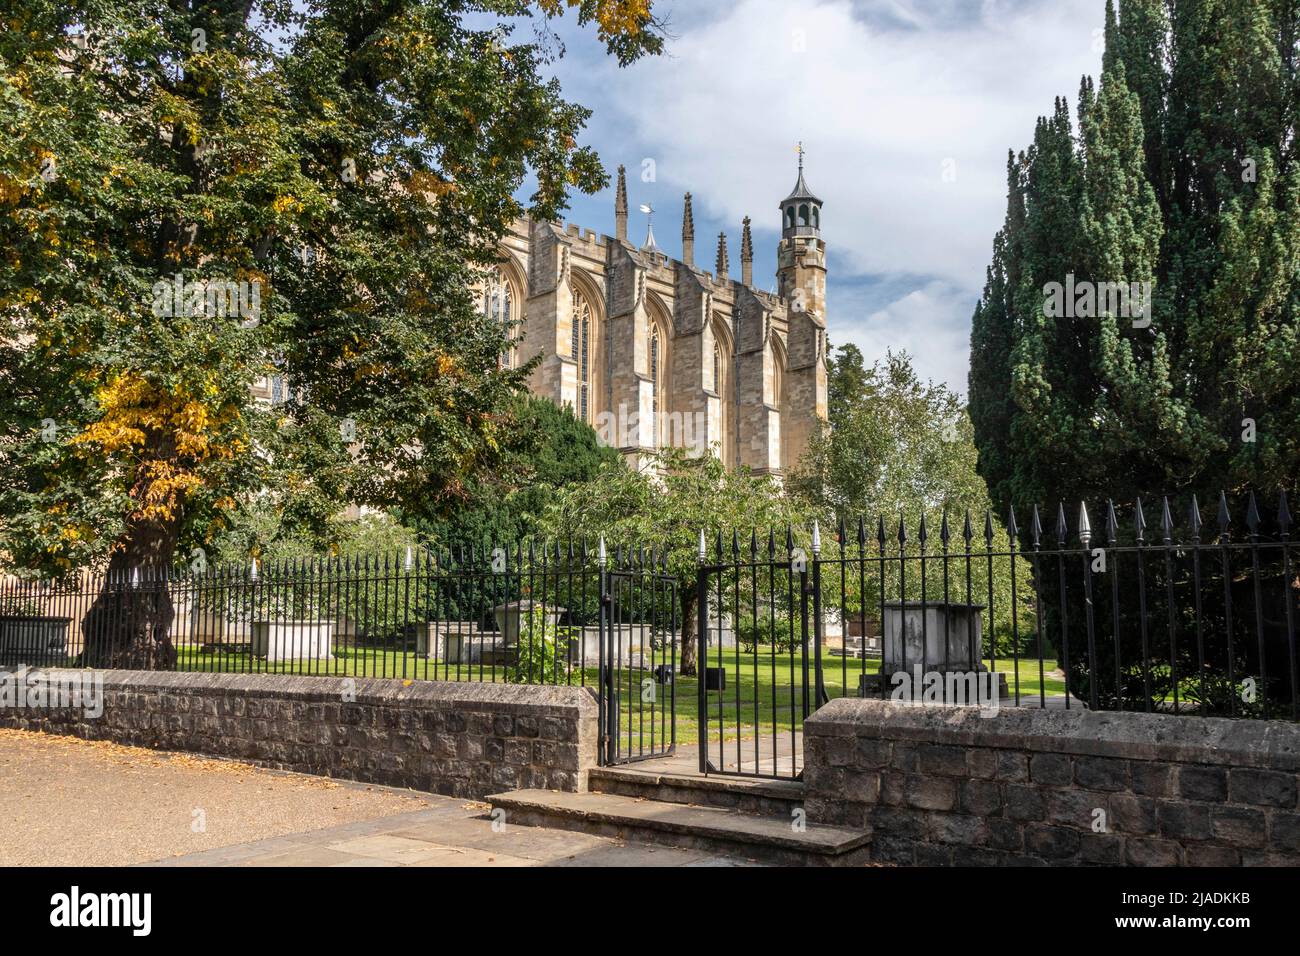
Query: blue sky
{"points": [[906, 109]]}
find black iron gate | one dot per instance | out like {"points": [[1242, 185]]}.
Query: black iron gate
{"points": [[638, 665], [759, 647]]}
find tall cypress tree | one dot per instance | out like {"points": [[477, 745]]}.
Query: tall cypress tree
{"points": [[1181, 172]]}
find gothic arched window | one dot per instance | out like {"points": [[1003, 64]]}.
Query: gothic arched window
{"points": [[723, 439], [498, 305], [778, 377], [803, 215], [654, 379], [582, 353]]}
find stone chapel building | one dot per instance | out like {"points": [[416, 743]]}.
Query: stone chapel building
{"points": [[655, 352]]}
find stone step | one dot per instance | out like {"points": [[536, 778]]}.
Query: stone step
{"points": [[777, 798], [762, 838]]}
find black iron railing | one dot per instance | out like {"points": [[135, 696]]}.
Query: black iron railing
{"points": [[967, 610], [480, 614], [1136, 614]]}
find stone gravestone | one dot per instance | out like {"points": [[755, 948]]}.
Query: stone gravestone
{"points": [[932, 637], [292, 640]]}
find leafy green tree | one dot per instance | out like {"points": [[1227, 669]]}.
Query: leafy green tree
{"points": [[896, 450], [549, 449], [892, 443], [343, 171], [665, 508]]}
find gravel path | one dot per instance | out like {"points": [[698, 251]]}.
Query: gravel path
{"points": [[65, 801]]}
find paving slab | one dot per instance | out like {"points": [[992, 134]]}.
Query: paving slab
{"points": [[465, 837], [71, 802], [129, 805]]}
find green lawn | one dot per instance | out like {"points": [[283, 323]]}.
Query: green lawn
{"points": [[759, 698]]}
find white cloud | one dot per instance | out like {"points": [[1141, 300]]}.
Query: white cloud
{"points": [[882, 93], [918, 321]]}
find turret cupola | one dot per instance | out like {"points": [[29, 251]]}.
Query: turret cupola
{"points": [[801, 211]]}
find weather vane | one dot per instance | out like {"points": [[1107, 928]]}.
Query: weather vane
{"points": [[800, 150], [649, 210]]}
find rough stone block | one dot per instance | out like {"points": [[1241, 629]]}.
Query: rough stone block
{"points": [[1101, 773], [1051, 842], [1209, 784], [1201, 855], [930, 793], [1023, 802], [1184, 821], [1052, 770], [905, 758], [1006, 835], [982, 764], [1012, 767], [1145, 851], [861, 786], [957, 828], [942, 760], [981, 797], [1102, 849], [1073, 808], [1151, 779], [1284, 831], [1267, 788], [874, 754], [1239, 826]]}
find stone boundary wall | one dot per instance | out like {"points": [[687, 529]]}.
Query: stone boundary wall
{"points": [[458, 739], [943, 785]]}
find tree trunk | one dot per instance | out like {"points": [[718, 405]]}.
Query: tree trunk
{"points": [[130, 624], [688, 663]]}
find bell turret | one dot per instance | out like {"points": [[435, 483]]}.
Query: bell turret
{"points": [[801, 211]]}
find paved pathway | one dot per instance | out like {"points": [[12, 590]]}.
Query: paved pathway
{"points": [[455, 833], [65, 801]]}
